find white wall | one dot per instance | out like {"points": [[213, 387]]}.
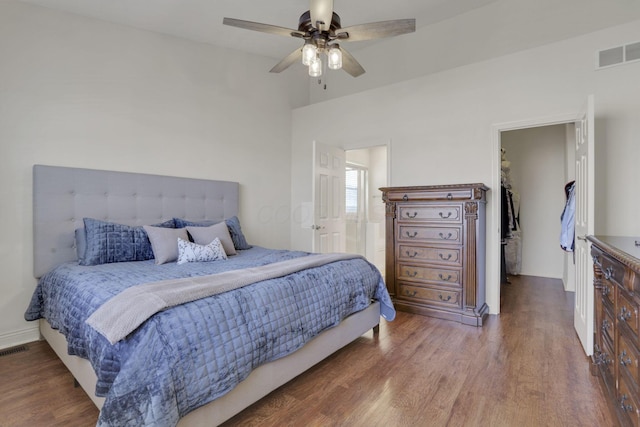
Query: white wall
{"points": [[85, 93], [537, 157], [441, 126]]}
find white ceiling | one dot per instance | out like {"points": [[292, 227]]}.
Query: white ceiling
{"points": [[201, 20]]}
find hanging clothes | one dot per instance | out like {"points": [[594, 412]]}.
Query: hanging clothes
{"points": [[567, 219]]}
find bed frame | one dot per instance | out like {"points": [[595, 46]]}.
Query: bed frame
{"points": [[62, 197]]}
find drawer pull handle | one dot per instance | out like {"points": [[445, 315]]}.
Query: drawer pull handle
{"points": [[605, 325], [625, 314], [449, 196], [596, 260], [410, 274], [443, 258], [444, 299], [410, 294], [623, 405], [608, 273], [623, 361], [446, 279], [601, 357], [445, 217], [405, 197], [606, 291], [412, 256], [412, 235], [415, 214], [447, 237]]}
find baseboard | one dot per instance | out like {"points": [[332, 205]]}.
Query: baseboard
{"points": [[12, 339]]}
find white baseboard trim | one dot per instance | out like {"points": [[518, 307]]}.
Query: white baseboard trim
{"points": [[11, 339]]}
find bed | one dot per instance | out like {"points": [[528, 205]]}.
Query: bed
{"points": [[188, 364]]}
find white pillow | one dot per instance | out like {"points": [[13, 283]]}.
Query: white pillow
{"points": [[193, 252]]}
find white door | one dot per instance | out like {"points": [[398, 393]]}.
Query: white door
{"points": [[329, 198], [583, 318]]}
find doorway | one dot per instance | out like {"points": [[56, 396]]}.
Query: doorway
{"points": [[584, 149], [536, 164], [494, 243], [366, 171]]}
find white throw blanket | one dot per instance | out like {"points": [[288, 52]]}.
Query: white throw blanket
{"points": [[123, 313]]}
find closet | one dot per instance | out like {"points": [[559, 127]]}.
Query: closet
{"points": [[510, 235], [536, 165]]}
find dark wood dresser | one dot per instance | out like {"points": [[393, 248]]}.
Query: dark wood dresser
{"points": [[435, 250], [616, 263]]}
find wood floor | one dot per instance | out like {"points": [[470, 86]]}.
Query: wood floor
{"points": [[525, 367]]}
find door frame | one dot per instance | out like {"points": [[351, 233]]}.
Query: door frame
{"points": [[371, 143], [493, 242], [345, 146]]}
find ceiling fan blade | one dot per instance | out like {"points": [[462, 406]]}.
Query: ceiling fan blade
{"points": [[294, 56], [377, 30], [264, 28], [350, 65], [321, 14]]}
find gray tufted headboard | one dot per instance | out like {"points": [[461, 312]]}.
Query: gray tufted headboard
{"points": [[62, 197]]}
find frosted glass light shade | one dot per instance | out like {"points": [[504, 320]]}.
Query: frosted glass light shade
{"points": [[309, 52], [334, 58], [315, 67]]}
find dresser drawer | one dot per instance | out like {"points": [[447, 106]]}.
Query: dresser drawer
{"points": [[434, 235], [441, 276], [437, 255], [608, 292], [627, 311], [612, 270], [607, 360], [626, 402], [628, 359], [436, 296], [607, 326], [449, 213], [402, 195]]}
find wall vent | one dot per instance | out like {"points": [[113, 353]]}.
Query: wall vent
{"points": [[618, 55], [13, 350]]}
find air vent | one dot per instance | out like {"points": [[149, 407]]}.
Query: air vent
{"points": [[13, 350], [618, 55]]}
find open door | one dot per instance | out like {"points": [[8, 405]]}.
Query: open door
{"points": [[584, 225], [329, 199]]}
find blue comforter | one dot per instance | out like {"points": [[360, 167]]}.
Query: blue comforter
{"points": [[191, 354]]}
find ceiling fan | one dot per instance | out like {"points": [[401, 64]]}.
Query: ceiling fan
{"points": [[321, 31]]}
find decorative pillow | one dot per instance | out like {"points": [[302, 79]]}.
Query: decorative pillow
{"points": [[193, 252], [108, 242], [238, 238], [164, 242], [205, 235], [233, 223]]}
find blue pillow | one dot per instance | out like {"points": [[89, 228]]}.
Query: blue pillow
{"points": [[233, 224], [238, 238], [108, 242]]}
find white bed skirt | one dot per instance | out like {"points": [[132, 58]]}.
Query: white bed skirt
{"points": [[260, 382]]}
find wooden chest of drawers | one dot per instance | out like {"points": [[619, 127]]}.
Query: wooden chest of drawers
{"points": [[435, 250], [616, 262]]}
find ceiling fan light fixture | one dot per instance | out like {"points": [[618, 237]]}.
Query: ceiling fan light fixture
{"points": [[315, 67], [334, 57], [309, 52], [320, 27]]}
